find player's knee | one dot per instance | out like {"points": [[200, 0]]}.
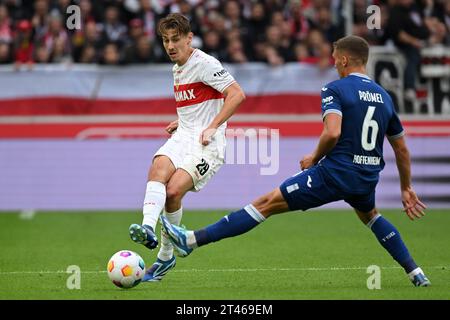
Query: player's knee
{"points": [[366, 217], [173, 193], [264, 205], [160, 171]]}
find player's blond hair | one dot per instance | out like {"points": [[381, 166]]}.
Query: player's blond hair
{"points": [[174, 21], [355, 46]]}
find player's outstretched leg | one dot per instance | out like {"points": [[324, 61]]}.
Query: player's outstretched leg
{"points": [[143, 234], [236, 223], [390, 239]]}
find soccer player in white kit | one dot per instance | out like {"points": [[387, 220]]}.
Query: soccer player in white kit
{"points": [[206, 97]]}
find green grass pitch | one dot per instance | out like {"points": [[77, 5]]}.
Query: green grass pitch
{"points": [[322, 254]]}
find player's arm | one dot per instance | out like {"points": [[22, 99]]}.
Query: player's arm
{"points": [[411, 203], [234, 96], [172, 127], [328, 139]]}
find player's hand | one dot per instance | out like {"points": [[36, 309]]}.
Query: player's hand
{"points": [[307, 162], [172, 127], [412, 205], [206, 136]]}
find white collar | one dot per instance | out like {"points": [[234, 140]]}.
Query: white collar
{"points": [[360, 75]]}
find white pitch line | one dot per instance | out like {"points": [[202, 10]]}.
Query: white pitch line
{"points": [[229, 270]]}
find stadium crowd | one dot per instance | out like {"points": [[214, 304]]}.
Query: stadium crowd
{"points": [[116, 32]]}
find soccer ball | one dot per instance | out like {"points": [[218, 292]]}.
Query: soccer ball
{"points": [[126, 269]]}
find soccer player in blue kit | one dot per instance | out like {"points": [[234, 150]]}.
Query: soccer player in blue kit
{"points": [[357, 115]]}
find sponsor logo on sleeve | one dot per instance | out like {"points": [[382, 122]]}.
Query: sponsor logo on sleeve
{"points": [[220, 73]]}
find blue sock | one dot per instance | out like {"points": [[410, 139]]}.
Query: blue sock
{"points": [[390, 239], [234, 224]]}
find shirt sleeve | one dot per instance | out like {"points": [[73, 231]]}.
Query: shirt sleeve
{"points": [[331, 103], [216, 76], [395, 129]]}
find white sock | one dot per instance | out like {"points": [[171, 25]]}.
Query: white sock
{"points": [[372, 221], [414, 272], [154, 201], [166, 250], [191, 241]]}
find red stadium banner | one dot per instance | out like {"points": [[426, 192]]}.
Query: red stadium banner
{"points": [[87, 102]]}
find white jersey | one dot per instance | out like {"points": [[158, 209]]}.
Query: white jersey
{"points": [[198, 87]]}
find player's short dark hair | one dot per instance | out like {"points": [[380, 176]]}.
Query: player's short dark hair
{"points": [[355, 46], [174, 21]]}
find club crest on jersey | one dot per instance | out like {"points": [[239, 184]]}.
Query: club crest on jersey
{"points": [[184, 95]]}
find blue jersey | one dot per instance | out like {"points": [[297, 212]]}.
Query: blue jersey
{"points": [[368, 115]]}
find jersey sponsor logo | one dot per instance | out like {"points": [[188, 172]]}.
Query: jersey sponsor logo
{"points": [[371, 161], [184, 95], [309, 182], [390, 235], [202, 167], [327, 100], [370, 96], [220, 73], [194, 93], [292, 188]]}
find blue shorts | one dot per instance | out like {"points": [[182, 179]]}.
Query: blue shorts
{"points": [[314, 187]]}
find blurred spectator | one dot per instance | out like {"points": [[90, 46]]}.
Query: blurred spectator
{"points": [[86, 11], [148, 17], [59, 53], [42, 54], [322, 57], [446, 20], [410, 34], [323, 22], [23, 44], [218, 22], [39, 19], [275, 41], [185, 8], [111, 54], [140, 52], [18, 9], [235, 52], [56, 33], [315, 40], [234, 18], [136, 30], [88, 37], [325, 60], [301, 52], [5, 53], [113, 30], [430, 11], [272, 56], [5, 25], [61, 6], [277, 19], [258, 21], [88, 54], [259, 51], [212, 45], [299, 22]]}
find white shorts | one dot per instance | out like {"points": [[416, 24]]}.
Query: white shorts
{"points": [[201, 162]]}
